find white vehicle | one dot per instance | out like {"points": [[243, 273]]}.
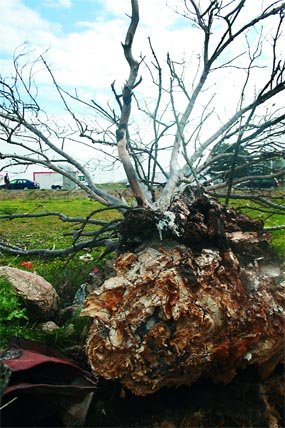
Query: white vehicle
{"points": [[53, 180]]}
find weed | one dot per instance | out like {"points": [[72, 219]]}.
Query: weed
{"points": [[66, 275], [14, 321], [13, 315]]}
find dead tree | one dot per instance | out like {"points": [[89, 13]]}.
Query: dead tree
{"points": [[190, 136], [197, 290]]}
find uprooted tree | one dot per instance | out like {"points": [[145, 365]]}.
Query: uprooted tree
{"points": [[197, 290]]}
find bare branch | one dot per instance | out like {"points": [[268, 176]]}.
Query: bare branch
{"points": [[126, 108]]}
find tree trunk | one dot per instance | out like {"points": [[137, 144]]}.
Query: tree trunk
{"points": [[204, 301]]}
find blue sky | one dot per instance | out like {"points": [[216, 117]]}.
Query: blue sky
{"points": [[83, 43], [71, 29], [69, 13], [82, 40], [83, 37]]}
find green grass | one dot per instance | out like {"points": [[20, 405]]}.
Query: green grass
{"points": [[14, 321], [68, 273], [270, 220], [51, 232], [47, 231], [12, 314]]}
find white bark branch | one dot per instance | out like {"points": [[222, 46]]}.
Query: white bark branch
{"points": [[126, 109]]}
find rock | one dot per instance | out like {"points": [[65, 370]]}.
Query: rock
{"points": [[49, 327], [39, 296], [68, 312]]}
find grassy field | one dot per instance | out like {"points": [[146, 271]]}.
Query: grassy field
{"points": [[271, 219], [68, 273], [65, 274], [50, 232]]}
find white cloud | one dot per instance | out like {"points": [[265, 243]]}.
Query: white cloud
{"points": [[91, 57], [155, 14], [21, 24], [58, 3]]}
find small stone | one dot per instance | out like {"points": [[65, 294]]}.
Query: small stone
{"points": [[49, 327]]}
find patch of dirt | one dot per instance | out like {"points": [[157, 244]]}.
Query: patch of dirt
{"points": [[41, 194], [55, 194], [247, 401]]}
